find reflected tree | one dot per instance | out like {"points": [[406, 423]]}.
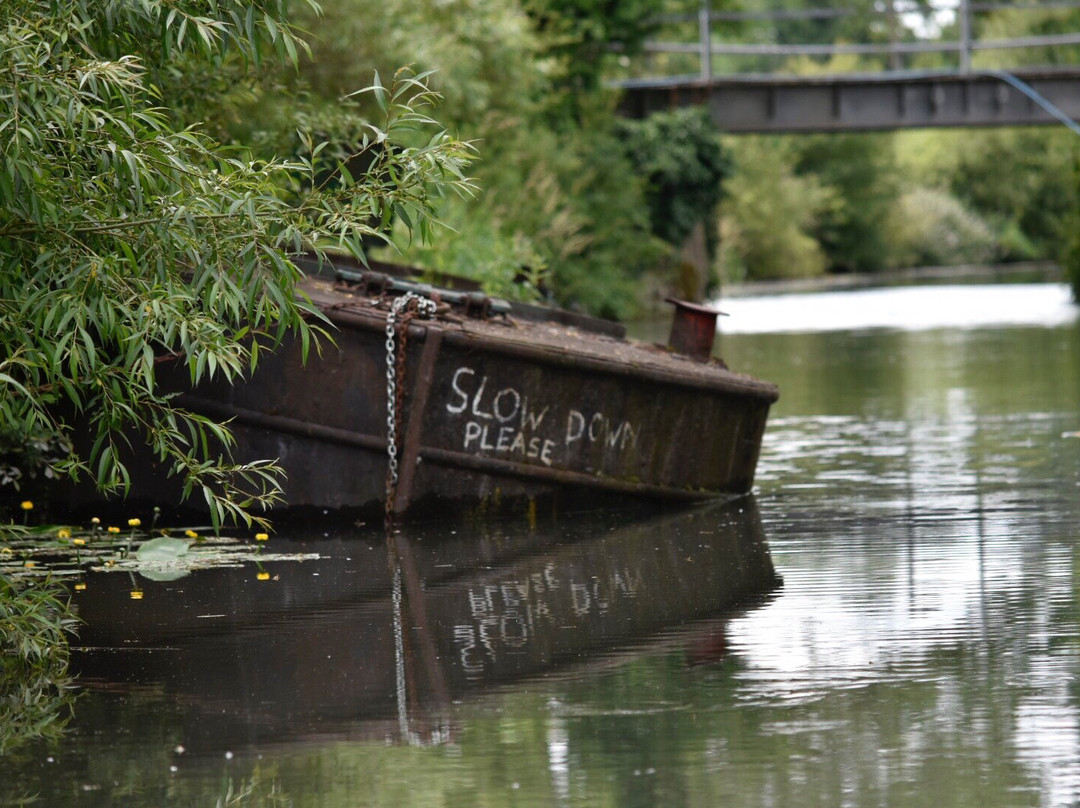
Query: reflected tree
{"points": [[35, 690]]}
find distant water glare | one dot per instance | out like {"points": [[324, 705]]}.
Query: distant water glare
{"points": [[909, 308]]}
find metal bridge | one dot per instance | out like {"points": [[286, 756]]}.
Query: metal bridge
{"points": [[892, 98]]}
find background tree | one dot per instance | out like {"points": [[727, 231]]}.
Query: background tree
{"points": [[683, 161], [582, 36], [1070, 253], [861, 171], [561, 206], [768, 220]]}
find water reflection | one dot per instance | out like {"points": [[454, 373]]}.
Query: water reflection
{"points": [[36, 698], [379, 638], [927, 482]]}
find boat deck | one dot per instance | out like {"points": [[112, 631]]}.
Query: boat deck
{"points": [[550, 342]]}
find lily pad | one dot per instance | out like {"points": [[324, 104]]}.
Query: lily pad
{"points": [[162, 550]]}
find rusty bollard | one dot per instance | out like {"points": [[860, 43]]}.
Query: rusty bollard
{"points": [[693, 330]]}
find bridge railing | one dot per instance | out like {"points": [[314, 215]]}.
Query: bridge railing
{"points": [[963, 46]]}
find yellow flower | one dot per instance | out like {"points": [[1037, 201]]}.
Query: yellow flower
{"points": [[113, 529], [30, 564], [95, 521], [81, 586], [134, 522], [136, 594], [78, 542], [26, 505], [64, 533], [263, 576], [262, 536], [191, 534]]}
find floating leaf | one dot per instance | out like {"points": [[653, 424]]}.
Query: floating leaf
{"points": [[162, 550]]}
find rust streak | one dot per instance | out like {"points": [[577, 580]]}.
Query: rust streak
{"points": [[410, 449]]}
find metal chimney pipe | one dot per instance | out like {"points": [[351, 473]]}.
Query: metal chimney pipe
{"points": [[693, 329]]}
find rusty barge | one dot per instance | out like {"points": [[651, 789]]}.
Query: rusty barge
{"points": [[489, 401]]}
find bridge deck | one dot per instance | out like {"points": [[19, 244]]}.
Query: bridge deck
{"points": [[862, 102]]}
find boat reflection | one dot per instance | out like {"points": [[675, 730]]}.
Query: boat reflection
{"points": [[383, 634]]}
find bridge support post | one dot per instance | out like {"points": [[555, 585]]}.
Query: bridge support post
{"points": [[965, 36], [705, 39]]}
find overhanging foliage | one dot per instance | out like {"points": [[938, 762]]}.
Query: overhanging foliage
{"points": [[128, 241]]}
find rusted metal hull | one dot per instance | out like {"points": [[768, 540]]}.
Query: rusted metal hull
{"points": [[494, 410]]}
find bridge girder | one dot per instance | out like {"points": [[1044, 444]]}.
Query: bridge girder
{"points": [[860, 102]]}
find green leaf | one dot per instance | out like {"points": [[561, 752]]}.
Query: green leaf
{"points": [[162, 550]]}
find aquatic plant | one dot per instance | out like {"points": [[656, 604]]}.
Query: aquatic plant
{"points": [[67, 551], [253, 791]]}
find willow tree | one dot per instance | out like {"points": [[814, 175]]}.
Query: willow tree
{"points": [[130, 238]]}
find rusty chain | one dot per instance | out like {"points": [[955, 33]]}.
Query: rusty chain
{"points": [[402, 311]]}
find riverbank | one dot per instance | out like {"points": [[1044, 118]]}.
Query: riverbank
{"points": [[1019, 272]]}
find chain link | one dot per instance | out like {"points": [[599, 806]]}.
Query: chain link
{"points": [[401, 311], [399, 658]]}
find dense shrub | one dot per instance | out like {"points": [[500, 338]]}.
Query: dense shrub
{"points": [[931, 227], [766, 226]]}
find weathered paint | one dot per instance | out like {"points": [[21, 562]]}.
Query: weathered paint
{"points": [[511, 410]]}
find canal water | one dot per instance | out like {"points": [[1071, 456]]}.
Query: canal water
{"points": [[893, 618]]}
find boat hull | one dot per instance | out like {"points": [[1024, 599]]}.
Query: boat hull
{"points": [[493, 413]]}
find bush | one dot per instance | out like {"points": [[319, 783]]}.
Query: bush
{"points": [[930, 227], [129, 239], [682, 158], [767, 223]]}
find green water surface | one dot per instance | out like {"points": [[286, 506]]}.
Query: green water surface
{"points": [[917, 495]]}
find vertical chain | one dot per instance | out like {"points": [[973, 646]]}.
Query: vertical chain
{"points": [[401, 311], [399, 656]]}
